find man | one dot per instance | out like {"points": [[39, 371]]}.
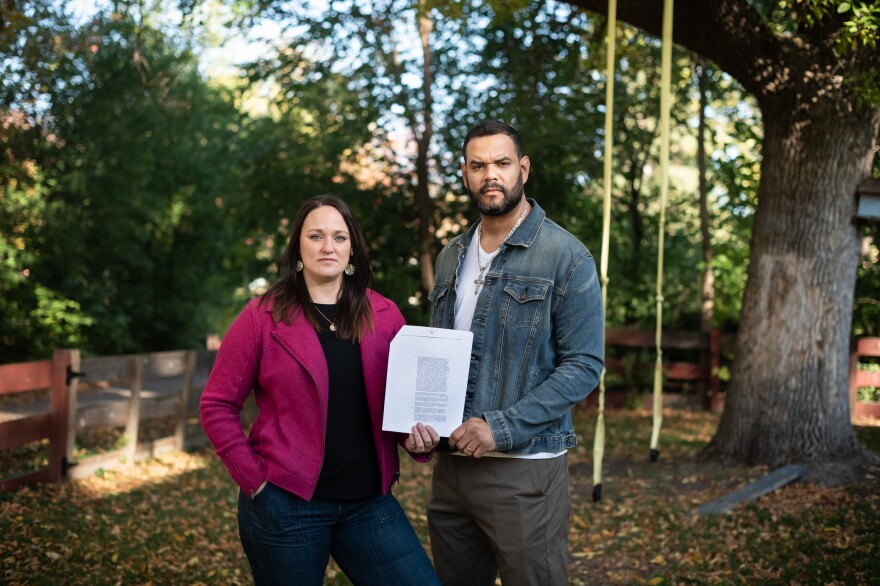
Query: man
{"points": [[529, 292]]}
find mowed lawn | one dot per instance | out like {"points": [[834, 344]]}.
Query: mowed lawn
{"points": [[171, 520]]}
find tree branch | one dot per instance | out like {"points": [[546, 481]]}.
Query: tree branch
{"points": [[729, 32]]}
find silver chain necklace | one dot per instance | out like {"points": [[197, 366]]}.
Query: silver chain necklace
{"points": [[332, 325], [480, 280]]}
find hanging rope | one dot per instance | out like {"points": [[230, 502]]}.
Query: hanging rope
{"points": [[599, 440], [665, 105]]}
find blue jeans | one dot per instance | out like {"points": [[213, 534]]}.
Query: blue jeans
{"points": [[289, 540]]}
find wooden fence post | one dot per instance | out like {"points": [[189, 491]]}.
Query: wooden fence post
{"points": [[64, 364], [705, 369], [136, 368], [714, 364], [189, 370], [853, 375]]}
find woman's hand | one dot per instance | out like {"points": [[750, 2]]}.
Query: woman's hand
{"points": [[422, 439]]}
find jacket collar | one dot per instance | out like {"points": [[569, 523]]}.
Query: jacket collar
{"points": [[301, 342], [299, 339], [528, 230]]}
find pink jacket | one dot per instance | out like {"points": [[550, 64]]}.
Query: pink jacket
{"points": [[285, 368]]}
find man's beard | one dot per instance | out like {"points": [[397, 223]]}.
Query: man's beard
{"points": [[509, 201]]}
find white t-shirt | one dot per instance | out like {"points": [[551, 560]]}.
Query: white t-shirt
{"points": [[465, 288]]}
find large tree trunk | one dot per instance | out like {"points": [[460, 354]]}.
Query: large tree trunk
{"points": [[788, 396], [788, 400]]}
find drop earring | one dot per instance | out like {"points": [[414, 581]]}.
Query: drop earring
{"points": [[299, 266], [349, 270]]}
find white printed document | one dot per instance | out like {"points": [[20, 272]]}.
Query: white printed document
{"points": [[427, 379]]}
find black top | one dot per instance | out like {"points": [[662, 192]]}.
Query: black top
{"points": [[350, 470]]}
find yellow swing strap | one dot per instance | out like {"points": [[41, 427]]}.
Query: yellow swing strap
{"points": [[665, 105], [599, 440]]}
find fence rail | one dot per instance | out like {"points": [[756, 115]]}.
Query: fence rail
{"points": [[701, 369]]}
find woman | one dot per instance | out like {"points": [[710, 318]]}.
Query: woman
{"points": [[316, 469]]}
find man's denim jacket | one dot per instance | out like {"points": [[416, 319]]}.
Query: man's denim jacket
{"points": [[538, 333]]}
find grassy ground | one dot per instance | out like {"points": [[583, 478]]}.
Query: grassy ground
{"points": [[171, 520]]}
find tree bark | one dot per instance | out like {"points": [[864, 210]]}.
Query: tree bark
{"points": [[424, 204], [707, 291], [707, 297], [422, 134], [635, 214], [787, 402]]}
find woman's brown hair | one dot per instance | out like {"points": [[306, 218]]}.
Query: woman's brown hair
{"points": [[353, 310]]}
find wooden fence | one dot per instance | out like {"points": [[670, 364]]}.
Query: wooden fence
{"points": [[56, 375], [107, 391], [869, 348], [693, 359], [125, 391]]}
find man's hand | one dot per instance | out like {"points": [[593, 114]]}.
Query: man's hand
{"points": [[423, 438], [472, 438]]}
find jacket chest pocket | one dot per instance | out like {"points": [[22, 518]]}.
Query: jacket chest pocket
{"points": [[524, 302]]}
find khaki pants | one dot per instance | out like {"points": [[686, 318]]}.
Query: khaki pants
{"points": [[500, 515]]}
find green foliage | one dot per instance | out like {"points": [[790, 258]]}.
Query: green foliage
{"points": [[323, 137], [869, 394], [35, 319], [142, 205], [537, 68], [866, 302], [540, 79], [855, 30], [862, 25], [145, 159], [62, 320], [145, 205], [859, 22], [119, 156], [362, 77]]}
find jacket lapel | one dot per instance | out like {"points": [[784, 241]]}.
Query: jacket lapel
{"points": [[374, 360], [301, 342]]}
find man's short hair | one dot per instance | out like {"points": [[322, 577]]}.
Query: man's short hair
{"points": [[491, 128]]}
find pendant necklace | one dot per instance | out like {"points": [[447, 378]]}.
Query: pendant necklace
{"points": [[332, 325], [480, 280]]}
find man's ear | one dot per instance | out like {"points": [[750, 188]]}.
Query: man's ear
{"points": [[524, 165]]}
